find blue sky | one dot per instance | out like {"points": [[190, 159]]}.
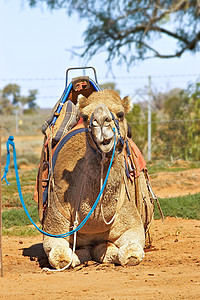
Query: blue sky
{"points": [[33, 48]]}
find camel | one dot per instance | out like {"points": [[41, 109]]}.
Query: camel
{"points": [[116, 230]]}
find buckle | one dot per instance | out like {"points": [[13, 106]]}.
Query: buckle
{"points": [[46, 163]]}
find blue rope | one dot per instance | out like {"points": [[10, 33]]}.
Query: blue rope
{"points": [[62, 101], [11, 142]]}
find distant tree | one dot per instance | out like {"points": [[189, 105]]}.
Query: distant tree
{"points": [[12, 92], [128, 29], [5, 105], [160, 98], [30, 99], [10, 97]]}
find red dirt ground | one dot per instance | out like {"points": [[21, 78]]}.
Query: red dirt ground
{"points": [[170, 270]]}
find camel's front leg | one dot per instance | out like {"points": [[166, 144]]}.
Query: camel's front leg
{"points": [[59, 250]]}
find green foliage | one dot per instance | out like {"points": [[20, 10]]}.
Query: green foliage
{"points": [[5, 105], [14, 218], [20, 231], [10, 197], [17, 217], [181, 137], [137, 119], [30, 100], [128, 29], [27, 159], [187, 207]]}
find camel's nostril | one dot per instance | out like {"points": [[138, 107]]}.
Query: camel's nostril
{"points": [[107, 120]]}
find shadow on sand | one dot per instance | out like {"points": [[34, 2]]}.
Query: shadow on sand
{"points": [[36, 253]]}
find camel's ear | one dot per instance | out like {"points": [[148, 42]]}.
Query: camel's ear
{"points": [[126, 102], [82, 101]]}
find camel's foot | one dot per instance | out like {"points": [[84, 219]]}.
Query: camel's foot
{"points": [[129, 254]]}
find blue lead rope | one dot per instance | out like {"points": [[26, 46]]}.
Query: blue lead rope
{"points": [[11, 142]]}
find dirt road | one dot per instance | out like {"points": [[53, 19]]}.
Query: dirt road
{"points": [[174, 184]]}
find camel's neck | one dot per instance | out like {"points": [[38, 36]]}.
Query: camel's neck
{"points": [[91, 187], [97, 166]]}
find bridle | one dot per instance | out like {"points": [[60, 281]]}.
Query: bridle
{"points": [[120, 140]]}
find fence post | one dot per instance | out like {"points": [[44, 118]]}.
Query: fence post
{"points": [[1, 258], [149, 120]]}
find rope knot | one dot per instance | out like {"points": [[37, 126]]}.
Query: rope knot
{"points": [[6, 170], [4, 176], [75, 224], [11, 138]]}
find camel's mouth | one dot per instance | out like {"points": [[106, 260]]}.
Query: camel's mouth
{"points": [[106, 142], [107, 145]]}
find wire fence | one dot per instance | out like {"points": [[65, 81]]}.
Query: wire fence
{"points": [[50, 89], [169, 139]]}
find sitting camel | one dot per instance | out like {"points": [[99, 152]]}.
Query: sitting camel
{"points": [[115, 231]]}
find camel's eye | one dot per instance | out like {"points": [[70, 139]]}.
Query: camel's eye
{"points": [[120, 115], [85, 118]]}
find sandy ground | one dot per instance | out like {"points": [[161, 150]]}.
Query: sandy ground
{"points": [[174, 184], [170, 270]]}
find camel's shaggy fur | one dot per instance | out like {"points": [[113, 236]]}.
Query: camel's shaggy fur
{"points": [[77, 176]]}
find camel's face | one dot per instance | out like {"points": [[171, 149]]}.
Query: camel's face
{"points": [[102, 128], [96, 111]]}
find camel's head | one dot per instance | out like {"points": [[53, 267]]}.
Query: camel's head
{"points": [[103, 111]]}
